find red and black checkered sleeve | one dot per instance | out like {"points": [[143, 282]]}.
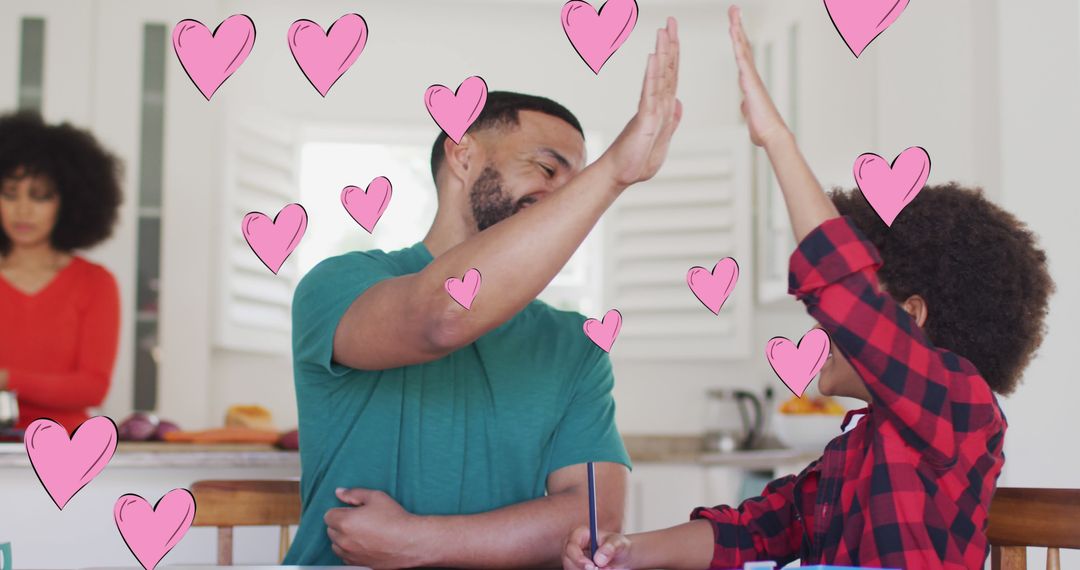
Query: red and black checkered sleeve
{"points": [[918, 386], [762, 528]]}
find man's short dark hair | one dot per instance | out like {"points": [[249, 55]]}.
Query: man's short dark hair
{"points": [[501, 110], [980, 270], [85, 175]]}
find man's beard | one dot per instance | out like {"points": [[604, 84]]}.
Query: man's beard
{"points": [[490, 204]]}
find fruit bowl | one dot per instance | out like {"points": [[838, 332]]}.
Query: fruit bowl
{"points": [[808, 423], [808, 432]]}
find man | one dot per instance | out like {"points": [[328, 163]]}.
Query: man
{"points": [[432, 435]]}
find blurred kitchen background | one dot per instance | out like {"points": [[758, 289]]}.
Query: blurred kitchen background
{"points": [[989, 87]]}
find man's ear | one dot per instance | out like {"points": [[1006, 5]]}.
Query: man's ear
{"points": [[916, 306], [461, 157]]}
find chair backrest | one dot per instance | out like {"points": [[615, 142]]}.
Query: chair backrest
{"points": [[1020, 518], [226, 504]]}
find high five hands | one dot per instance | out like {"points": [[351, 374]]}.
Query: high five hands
{"points": [[762, 118], [638, 152]]}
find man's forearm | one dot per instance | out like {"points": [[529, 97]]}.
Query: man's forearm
{"points": [[807, 204], [525, 535], [520, 255]]}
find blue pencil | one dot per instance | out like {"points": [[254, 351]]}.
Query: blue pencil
{"points": [[592, 512]]}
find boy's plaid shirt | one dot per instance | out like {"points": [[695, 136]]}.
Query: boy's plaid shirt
{"points": [[910, 486]]}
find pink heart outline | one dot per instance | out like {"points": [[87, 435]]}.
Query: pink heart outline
{"points": [[54, 461], [312, 57], [454, 114], [366, 206], [797, 365], [858, 20], [888, 190], [199, 67], [708, 285], [607, 333], [277, 245], [464, 290], [588, 34], [140, 531]]}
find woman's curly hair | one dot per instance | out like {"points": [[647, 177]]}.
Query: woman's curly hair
{"points": [[980, 270], [85, 175]]}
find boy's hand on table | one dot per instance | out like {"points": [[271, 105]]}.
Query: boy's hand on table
{"points": [[613, 553], [375, 531], [762, 118]]}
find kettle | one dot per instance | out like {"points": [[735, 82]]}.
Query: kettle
{"points": [[9, 409], [723, 438]]}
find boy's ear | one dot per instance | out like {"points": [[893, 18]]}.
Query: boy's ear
{"points": [[916, 306]]}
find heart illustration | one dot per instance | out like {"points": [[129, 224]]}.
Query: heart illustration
{"points": [[210, 58], [889, 188], [273, 241], [797, 365], [604, 332], [598, 35], [464, 290], [455, 112], [712, 288], [367, 206], [65, 465], [861, 21], [325, 56], [151, 532]]}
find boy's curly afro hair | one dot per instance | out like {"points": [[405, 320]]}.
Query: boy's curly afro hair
{"points": [[984, 279], [85, 175]]}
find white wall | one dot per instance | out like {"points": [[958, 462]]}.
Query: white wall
{"points": [[1040, 119]]}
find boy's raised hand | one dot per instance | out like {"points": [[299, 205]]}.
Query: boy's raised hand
{"points": [[614, 553], [761, 115], [638, 152]]}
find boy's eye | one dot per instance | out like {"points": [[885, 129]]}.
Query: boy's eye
{"points": [[548, 170]]}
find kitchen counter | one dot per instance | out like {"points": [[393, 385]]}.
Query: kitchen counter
{"points": [[643, 449], [159, 454]]}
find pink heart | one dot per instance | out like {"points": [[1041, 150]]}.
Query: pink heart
{"points": [[797, 365], [325, 57], [209, 59], [861, 21], [464, 290], [273, 241], [713, 288], [367, 206], [604, 332], [889, 188], [151, 532], [598, 35], [455, 112], [66, 465]]}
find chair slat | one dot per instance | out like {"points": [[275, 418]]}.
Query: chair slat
{"points": [[246, 503], [1035, 517]]}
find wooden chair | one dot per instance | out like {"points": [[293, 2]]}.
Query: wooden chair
{"points": [[227, 504], [1020, 518]]}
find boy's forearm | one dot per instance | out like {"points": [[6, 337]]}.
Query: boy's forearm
{"points": [[688, 546], [519, 256], [807, 204]]}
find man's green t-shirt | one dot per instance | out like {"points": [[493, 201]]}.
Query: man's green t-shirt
{"points": [[477, 430]]}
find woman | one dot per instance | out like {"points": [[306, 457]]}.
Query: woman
{"points": [[59, 313]]}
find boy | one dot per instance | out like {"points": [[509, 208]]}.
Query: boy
{"points": [[952, 315]]}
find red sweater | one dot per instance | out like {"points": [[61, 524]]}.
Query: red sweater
{"points": [[59, 344]]}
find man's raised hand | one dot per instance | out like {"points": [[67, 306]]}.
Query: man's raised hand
{"points": [[638, 152]]}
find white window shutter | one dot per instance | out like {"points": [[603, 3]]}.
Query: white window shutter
{"points": [[261, 175], [694, 212]]}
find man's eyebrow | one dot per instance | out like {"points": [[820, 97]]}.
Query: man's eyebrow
{"points": [[558, 157]]}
